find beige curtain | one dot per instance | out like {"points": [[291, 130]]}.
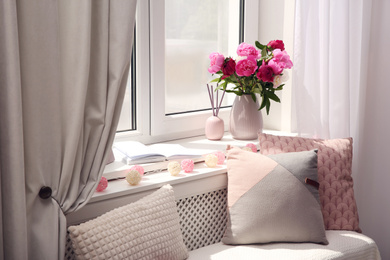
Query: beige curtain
{"points": [[63, 73]]}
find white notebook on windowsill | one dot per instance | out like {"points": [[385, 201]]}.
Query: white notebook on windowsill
{"points": [[137, 153]]}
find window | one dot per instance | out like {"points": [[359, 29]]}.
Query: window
{"points": [[128, 119], [173, 40], [193, 30]]}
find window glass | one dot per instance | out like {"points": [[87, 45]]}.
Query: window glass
{"points": [[193, 30], [127, 119]]}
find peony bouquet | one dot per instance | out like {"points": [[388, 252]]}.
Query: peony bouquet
{"points": [[258, 70]]}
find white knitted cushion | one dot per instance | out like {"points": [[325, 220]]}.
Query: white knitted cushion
{"points": [[146, 229]]}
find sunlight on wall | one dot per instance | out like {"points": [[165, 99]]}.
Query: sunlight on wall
{"points": [[276, 21]]}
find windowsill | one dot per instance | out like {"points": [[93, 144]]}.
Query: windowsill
{"points": [[202, 180], [120, 187]]}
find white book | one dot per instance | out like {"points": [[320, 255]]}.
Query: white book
{"points": [[137, 153]]}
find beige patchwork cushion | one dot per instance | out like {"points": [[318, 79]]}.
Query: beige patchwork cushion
{"points": [[146, 229]]}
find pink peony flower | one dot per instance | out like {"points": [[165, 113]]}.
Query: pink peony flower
{"points": [[282, 59], [276, 44], [245, 49], [216, 62], [246, 67], [277, 69], [265, 73], [228, 68], [103, 183]]}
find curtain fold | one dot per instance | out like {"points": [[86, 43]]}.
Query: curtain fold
{"points": [[330, 66], [64, 68], [13, 219]]}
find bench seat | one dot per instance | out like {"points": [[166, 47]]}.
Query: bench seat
{"points": [[342, 245]]}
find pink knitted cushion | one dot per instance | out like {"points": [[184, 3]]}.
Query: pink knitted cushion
{"points": [[337, 198]]}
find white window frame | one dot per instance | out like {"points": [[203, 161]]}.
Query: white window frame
{"points": [[152, 123]]}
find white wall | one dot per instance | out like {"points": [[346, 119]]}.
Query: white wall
{"points": [[372, 174], [276, 22]]}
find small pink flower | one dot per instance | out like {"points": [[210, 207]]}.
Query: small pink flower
{"points": [[265, 73], [221, 157], [246, 67], [187, 165], [103, 183], [216, 62], [282, 59], [276, 44], [245, 49], [252, 146], [138, 168]]}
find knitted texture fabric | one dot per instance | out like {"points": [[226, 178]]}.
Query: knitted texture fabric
{"points": [[146, 229]]}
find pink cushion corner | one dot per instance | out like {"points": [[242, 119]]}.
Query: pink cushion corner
{"points": [[337, 198]]}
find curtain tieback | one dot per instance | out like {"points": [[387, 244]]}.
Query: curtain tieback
{"points": [[45, 192]]}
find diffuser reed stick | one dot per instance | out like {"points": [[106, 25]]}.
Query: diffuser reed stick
{"points": [[215, 104]]}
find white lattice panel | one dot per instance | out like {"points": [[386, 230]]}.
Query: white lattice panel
{"points": [[202, 220], [69, 254]]}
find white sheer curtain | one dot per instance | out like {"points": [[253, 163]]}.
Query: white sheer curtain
{"points": [[63, 73], [340, 80], [330, 66]]}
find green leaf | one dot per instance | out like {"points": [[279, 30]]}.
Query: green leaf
{"points": [[269, 85], [228, 80], [273, 96], [256, 90], [264, 53], [215, 80], [267, 106], [253, 97], [224, 85], [219, 87], [259, 45], [237, 87], [263, 102]]}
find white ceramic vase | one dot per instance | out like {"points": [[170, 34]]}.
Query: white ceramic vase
{"points": [[246, 121]]}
